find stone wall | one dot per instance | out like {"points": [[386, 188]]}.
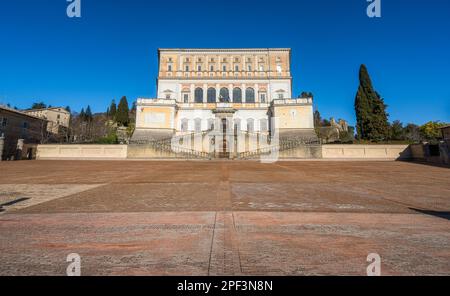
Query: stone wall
{"points": [[336, 152], [81, 152], [384, 152], [148, 152]]}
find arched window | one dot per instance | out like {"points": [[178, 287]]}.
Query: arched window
{"points": [[224, 95], [237, 95], [212, 95], [250, 125], [199, 95], [264, 124], [250, 95], [184, 125], [198, 125]]}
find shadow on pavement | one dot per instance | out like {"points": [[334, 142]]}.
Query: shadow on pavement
{"points": [[10, 203], [443, 215]]}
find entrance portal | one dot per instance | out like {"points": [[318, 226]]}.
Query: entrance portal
{"points": [[224, 153]]}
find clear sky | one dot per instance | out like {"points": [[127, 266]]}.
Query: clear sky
{"points": [[112, 50]]}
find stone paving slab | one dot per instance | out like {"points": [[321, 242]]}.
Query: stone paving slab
{"points": [[20, 196], [224, 243], [109, 244], [224, 218]]}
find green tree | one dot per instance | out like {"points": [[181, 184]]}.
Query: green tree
{"points": [[371, 116], [397, 132], [88, 114], [412, 133], [82, 115], [317, 119], [431, 130], [122, 116], [112, 110], [39, 105]]}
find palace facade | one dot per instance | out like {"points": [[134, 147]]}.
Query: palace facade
{"points": [[239, 90]]}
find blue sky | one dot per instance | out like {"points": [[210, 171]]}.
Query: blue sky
{"points": [[112, 50]]}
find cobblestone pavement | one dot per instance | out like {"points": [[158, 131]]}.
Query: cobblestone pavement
{"points": [[224, 218]]}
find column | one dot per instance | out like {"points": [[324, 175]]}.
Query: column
{"points": [[244, 93], [230, 89], [217, 92], [192, 96], [205, 93]]}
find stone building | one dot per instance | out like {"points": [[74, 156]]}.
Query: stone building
{"points": [[446, 133], [18, 129], [235, 90], [58, 118]]}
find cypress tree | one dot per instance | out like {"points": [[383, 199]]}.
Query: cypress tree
{"points": [[122, 116], [88, 115], [82, 115], [380, 124], [371, 117], [113, 110]]}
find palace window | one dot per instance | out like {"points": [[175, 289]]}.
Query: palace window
{"points": [[249, 68], [264, 126], [187, 68], [198, 125], [263, 98], [199, 68], [211, 68], [261, 68], [185, 98], [198, 95], [249, 95], [250, 125], [224, 94], [236, 68], [224, 68], [237, 95], [169, 68], [4, 122], [184, 125], [212, 95], [280, 96], [279, 69]]}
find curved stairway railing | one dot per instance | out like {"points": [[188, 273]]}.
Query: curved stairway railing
{"points": [[169, 145], [175, 145], [284, 144]]}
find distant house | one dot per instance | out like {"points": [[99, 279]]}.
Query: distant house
{"points": [[58, 118], [16, 125], [446, 132]]}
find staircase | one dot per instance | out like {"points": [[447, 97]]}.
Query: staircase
{"points": [[284, 144]]}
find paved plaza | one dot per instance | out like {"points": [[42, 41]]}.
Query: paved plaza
{"points": [[224, 218]]}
